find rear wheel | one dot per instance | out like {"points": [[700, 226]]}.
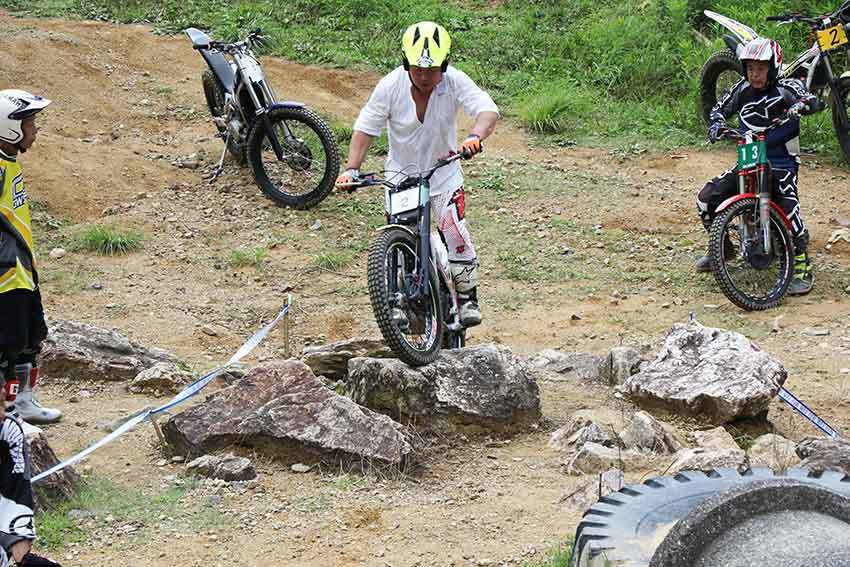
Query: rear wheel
{"points": [[719, 74], [214, 93], [412, 329], [749, 277], [840, 106], [305, 174]]}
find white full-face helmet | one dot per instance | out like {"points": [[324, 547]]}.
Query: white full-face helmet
{"points": [[15, 106], [762, 49]]}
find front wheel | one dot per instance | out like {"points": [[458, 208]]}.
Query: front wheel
{"points": [[413, 329], [750, 277], [840, 103], [305, 173], [719, 74]]}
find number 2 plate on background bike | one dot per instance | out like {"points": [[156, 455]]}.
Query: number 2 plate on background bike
{"points": [[751, 155], [832, 38]]}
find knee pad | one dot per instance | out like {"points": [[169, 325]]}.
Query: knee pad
{"points": [[704, 195]]}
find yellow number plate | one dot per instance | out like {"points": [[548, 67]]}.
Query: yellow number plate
{"points": [[832, 38]]}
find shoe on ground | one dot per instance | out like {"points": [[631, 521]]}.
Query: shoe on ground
{"points": [[470, 314]]}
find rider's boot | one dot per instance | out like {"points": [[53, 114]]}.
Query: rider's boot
{"points": [[703, 264], [465, 275], [804, 278], [27, 407]]}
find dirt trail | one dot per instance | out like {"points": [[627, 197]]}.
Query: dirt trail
{"points": [[128, 103]]}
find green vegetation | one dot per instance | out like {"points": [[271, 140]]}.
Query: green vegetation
{"points": [[241, 258], [108, 240], [557, 557], [333, 260], [101, 498], [596, 71]]}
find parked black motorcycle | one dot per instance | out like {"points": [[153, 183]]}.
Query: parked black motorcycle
{"points": [[291, 150]]}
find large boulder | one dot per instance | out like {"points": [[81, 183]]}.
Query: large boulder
{"points": [[710, 374], [80, 351], [331, 360], [481, 387], [568, 365], [283, 409], [822, 454], [56, 488]]}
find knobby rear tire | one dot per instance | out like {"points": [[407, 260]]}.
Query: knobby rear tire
{"points": [[719, 264], [719, 63], [377, 272], [257, 138], [214, 94]]}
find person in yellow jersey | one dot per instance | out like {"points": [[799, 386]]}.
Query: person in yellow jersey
{"points": [[418, 104], [23, 328]]}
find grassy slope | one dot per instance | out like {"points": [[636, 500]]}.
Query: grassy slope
{"points": [[598, 71]]}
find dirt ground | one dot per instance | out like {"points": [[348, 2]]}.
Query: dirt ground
{"points": [[127, 103]]}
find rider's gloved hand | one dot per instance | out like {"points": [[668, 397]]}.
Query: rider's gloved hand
{"points": [[350, 175], [471, 146], [714, 131]]}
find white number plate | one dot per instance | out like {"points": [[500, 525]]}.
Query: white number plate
{"points": [[404, 201], [252, 69]]}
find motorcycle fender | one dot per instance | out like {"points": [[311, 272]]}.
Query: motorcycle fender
{"points": [[732, 43], [739, 30], [222, 69], [287, 104], [732, 200], [402, 227]]}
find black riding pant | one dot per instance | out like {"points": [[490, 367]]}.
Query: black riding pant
{"points": [[784, 193]]}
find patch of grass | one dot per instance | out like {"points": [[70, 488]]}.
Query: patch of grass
{"points": [[108, 240], [104, 498], [164, 90], [559, 556], [333, 261], [241, 258]]}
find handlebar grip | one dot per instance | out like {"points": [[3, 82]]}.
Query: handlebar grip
{"points": [[780, 18], [200, 47]]}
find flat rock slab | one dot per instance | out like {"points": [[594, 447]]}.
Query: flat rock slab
{"points": [[85, 352], [710, 374], [707, 459], [284, 410], [162, 377], [226, 467], [568, 365], [331, 360], [482, 387], [773, 451]]}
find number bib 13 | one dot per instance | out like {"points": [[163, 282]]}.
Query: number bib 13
{"points": [[751, 155]]}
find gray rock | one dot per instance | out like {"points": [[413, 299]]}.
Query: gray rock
{"points": [[773, 451], [646, 433], [822, 454], [590, 490], [57, 488], [300, 468], [569, 437], [593, 458], [710, 374], [716, 438], [282, 409], [57, 253], [706, 459], [331, 360], [226, 467], [163, 377], [79, 351], [480, 387], [581, 365], [621, 362]]}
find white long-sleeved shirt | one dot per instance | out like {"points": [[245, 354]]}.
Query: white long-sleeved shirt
{"points": [[415, 146]]}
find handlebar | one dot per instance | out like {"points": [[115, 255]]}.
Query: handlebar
{"points": [[795, 111], [253, 38], [371, 179]]}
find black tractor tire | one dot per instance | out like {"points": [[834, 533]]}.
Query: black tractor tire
{"points": [[841, 118], [376, 270], [330, 169], [719, 263], [214, 94], [719, 63], [626, 527]]}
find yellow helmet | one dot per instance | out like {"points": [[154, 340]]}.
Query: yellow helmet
{"points": [[426, 44]]}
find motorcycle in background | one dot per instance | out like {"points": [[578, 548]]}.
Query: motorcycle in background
{"points": [[292, 152], [814, 66]]}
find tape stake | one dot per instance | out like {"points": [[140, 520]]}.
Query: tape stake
{"points": [[808, 413], [189, 391]]}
